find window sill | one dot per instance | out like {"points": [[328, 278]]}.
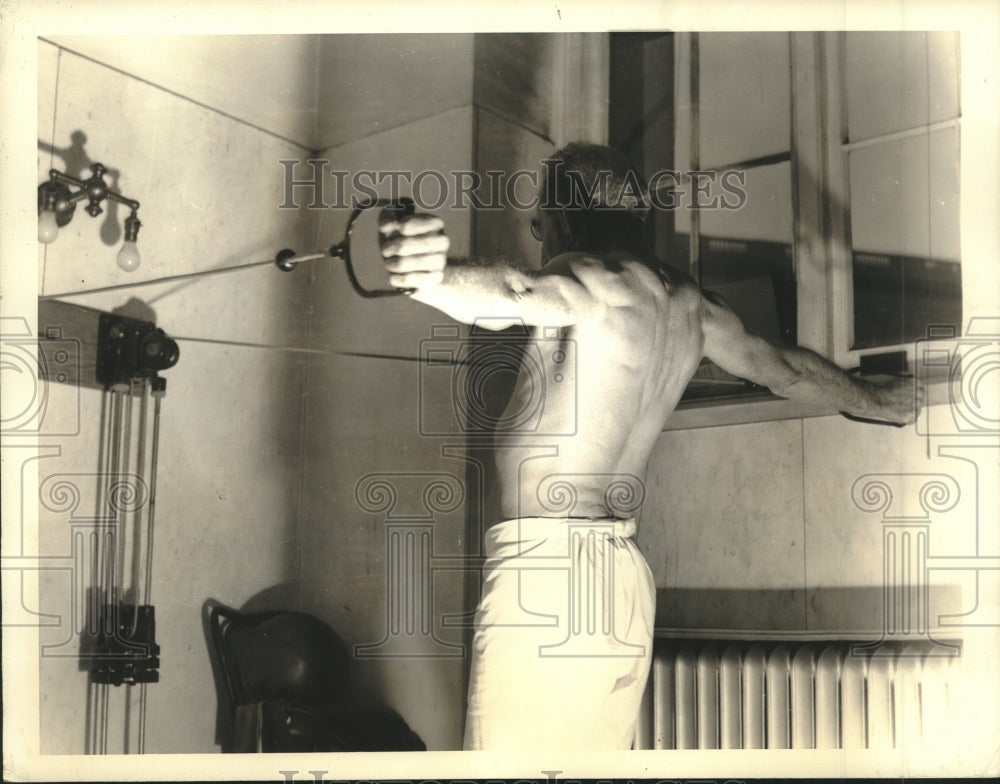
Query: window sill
{"points": [[765, 407], [760, 407]]}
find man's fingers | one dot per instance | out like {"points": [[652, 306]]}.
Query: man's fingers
{"points": [[416, 280], [410, 226], [426, 262], [415, 246]]}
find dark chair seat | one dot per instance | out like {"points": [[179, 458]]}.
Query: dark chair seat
{"points": [[283, 675]]}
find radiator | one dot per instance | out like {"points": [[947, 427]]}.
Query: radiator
{"points": [[747, 694]]}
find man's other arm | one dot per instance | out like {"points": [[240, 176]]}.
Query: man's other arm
{"points": [[800, 374]]}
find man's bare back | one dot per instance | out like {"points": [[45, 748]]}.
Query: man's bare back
{"points": [[608, 384], [637, 333]]}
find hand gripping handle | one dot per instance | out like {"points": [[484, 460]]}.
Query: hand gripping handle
{"points": [[287, 260]]}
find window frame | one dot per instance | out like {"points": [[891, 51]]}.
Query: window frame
{"points": [[832, 55], [821, 245]]}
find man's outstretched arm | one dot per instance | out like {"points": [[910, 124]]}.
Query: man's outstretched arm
{"points": [[800, 374], [495, 294]]}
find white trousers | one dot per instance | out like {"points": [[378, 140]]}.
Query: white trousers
{"points": [[563, 637]]}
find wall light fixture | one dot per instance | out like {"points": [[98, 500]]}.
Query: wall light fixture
{"points": [[57, 204]]}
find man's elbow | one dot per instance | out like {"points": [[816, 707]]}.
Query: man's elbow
{"points": [[785, 387], [784, 379]]}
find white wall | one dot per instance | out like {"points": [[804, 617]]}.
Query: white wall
{"points": [[267, 81], [209, 185], [373, 83], [363, 416], [756, 526]]}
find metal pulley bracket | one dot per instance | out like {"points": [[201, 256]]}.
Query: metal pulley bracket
{"points": [[125, 650], [128, 348]]}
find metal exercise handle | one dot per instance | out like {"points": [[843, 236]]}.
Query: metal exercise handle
{"points": [[287, 260]]}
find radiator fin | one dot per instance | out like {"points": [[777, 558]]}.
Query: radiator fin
{"points": [[853, 672], [778, 697], [686, 698], [828, 699], [803, 706], [753, 698], [730, 688], [707, 680]]}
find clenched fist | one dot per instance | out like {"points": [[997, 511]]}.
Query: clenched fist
{"points": [[414, 248]]}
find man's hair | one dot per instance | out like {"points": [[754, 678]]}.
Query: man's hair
{"points": [[601, 195]]}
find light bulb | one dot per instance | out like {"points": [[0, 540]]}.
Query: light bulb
{"points": [[48, 229], [128, 256]]}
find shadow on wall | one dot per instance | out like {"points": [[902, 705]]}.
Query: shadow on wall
{"points": [[837, 610]]}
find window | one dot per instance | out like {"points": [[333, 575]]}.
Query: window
{"points": [[898, 140], [846, 147]]}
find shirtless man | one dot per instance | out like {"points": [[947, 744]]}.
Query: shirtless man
{"points": [[543, 675]]}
